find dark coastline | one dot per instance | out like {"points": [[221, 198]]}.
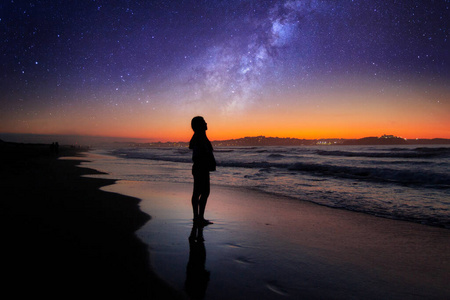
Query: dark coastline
{"points": [[64, 238]]}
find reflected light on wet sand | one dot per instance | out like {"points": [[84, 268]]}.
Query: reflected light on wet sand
{"points": [[268, 246]]}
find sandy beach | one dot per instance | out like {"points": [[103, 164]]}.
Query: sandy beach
{"points": [[68, 235], [262, 246], [63, 238]]}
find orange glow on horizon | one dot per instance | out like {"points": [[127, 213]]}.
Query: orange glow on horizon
{"points": [[350, 115], [184, 133]]}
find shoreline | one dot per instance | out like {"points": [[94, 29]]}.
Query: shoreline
{"points": [[63, 237], [67, 235], [274, 247], [269, 247]]}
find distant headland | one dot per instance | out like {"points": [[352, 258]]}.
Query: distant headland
{"points": [[240, 142], [276, 141]]}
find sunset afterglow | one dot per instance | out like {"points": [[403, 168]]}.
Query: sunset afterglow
{"points": [[301, 69]]}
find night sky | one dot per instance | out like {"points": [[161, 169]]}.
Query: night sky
{"points": [[304, 69]]}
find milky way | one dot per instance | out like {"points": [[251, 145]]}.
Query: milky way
{"points": [[224, 57]]}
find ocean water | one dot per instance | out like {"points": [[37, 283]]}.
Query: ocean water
{"points": [[400, 182]]}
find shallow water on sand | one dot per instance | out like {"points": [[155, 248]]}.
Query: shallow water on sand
{"points": [[408, 183], [267, 247]]}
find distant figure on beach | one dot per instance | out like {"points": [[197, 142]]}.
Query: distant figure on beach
{"points": [[204, 162], [54, 148]]}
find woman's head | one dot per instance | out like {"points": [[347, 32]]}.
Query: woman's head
{"points": [[198, 124]]}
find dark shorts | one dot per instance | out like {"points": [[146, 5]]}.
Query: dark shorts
{"points": [[199, 170], [201, 180]]}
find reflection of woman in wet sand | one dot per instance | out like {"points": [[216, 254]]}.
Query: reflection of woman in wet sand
{"points": [[204, 162], [197, 277]]}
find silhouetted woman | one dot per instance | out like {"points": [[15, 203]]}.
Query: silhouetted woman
{"points": [[204, 162]]}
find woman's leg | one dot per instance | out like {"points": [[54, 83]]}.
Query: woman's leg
{"points": [[200, 194], [205, 190], [195, 196]]}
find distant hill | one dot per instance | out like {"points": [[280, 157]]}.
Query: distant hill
{"points": [[241, 142], [383, 140], [395, 140], [276, 141], [273, 141]]}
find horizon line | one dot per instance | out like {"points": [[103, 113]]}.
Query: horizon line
{"points": [[36, 136]]}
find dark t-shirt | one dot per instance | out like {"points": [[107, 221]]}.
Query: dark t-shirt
{"points": [[202, 154]]}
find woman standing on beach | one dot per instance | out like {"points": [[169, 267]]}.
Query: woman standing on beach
{"points": [[204, 162]]}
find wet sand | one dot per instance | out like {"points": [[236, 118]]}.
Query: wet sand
{"points": [[264, 246], [63, 238]]}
